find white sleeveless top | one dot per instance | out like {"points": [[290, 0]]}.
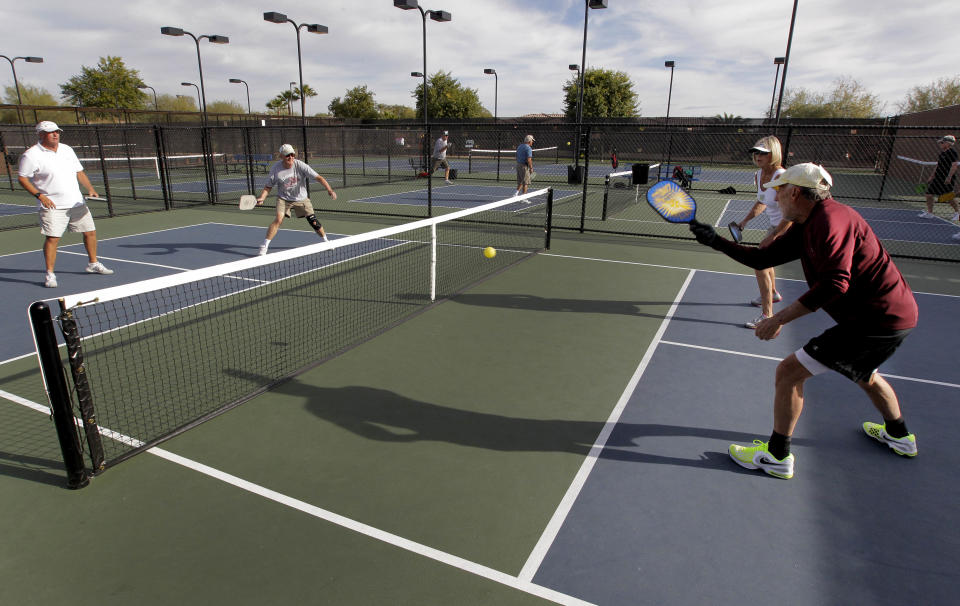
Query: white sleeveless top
{"points": [[769, 198]]}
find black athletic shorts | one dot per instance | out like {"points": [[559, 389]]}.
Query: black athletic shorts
{"points": [[939, 187], [853, 354]]}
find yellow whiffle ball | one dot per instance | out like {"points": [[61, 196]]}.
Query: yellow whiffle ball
{"points": [[489, 252]]}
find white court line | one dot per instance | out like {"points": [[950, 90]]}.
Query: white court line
{"points": [[776, 359], [344, 522], [549, 535]]}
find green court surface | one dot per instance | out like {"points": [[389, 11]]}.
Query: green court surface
{"points": [[420, 467]]}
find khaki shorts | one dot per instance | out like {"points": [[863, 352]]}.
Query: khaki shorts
{"points": [[523, 174], [54, 221], [303, 208]]}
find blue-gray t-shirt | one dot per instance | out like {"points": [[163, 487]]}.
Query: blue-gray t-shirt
{"points": [[524, 151], [291, 182]]}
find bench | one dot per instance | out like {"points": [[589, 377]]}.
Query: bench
{"points": [[264, 161], [684, 175]]}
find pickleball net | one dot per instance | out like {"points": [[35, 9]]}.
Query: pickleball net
{"points": [[154, 358], [619, 192]]}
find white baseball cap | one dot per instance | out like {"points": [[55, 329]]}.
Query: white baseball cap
{"points": [[943, 139], [528, 139], [808, 174], [286, 149], [48, 127], [445, 133]]}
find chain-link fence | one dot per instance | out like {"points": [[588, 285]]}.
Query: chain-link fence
{"points": [[386, 169]]}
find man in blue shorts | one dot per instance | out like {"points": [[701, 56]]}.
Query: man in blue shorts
{"points": [[852, 278]]}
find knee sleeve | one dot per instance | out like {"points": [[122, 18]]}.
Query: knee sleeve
{"points": [[314, 223]]}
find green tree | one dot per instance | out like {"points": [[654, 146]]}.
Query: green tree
{"points": [[726, 118], [34, 95], [943, 92], [277, 104], [358, 102], [395, 112], [176, 103], [109, 84], [606, 94], [847, 99], [447, 98], [225, 107]]}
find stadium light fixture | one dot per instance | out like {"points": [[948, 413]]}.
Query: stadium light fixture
{"points": [[588, 4], [313, 28], [441, 16], [671, 65], [239, 81], [213, 39], [496, 86], [194, 86], [778, 61], [16, 84], [155, 104]]}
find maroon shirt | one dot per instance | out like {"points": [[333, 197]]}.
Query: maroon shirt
{"points": [[849, 272]]}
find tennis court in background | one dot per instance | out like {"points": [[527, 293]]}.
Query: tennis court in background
{"points": [[554, 434]]}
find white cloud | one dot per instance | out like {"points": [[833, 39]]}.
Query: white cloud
{"points": [[724, 50]]}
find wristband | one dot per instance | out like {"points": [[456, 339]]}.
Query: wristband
{"points": [[37, 195]]}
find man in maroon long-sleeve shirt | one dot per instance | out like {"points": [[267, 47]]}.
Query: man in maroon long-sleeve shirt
{"points": [[852, 278]]}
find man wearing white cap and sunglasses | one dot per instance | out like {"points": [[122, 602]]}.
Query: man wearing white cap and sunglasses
{"points": [[50, 171], [852, 278]]}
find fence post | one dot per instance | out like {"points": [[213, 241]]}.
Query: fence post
{"points": [[103, 169]]}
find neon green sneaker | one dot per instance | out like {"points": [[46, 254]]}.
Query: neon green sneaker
{"points": [[758, 457], [905, 446]]}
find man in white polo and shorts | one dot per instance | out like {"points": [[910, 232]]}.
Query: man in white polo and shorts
{"points": [[290, 176], [50, 171]]}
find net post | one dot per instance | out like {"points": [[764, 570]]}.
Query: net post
{"points": [[103, 169], [586, 176], [606, 197], [126, 150], [343, 155], [88, 416], [161, 166], [548, 228], [433, 262], [51, 368], [427, 142]]}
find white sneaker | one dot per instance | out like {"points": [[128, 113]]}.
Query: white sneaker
{"points": [[753, 323], [448, 181], [955, 217], [905, 446], [263, 250], [956, 236], [926, 215], [98, 268], [50, 281], [758, 302]]}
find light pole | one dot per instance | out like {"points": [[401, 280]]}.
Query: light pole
{"points": [[313, 28], [575, 67], [778, 61], [239, 81], [16, 85], [496, 86], [213, 39], [588, 4], [194, 86], [156, 105], [671, 65], [441, 16], [786, 61]]}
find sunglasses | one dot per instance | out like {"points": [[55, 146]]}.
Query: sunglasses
{"points": [[290, 156], [759, 153]]}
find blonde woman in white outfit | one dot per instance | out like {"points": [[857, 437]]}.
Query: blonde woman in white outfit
{"points": [[768, 156]]}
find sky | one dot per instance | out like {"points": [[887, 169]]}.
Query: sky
{"points": [[723, 49]]}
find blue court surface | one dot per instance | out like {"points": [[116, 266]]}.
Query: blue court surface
{"points": [[661, 515], [462, 196], [7, 210], [133, 258], [897, 224]]}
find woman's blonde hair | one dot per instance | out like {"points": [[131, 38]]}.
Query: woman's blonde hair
{"points": [[776, 151]]}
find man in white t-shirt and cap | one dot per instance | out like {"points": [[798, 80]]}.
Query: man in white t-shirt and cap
{"points": [[50, 172], [290, 177], [440, 156]]}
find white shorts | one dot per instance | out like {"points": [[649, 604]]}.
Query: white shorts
{"points": [[55, 221]]}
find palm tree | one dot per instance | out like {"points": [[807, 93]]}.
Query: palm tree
{"points": [[276, 104]]}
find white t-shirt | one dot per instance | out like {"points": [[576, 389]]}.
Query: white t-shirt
{"points": [[440, 149], [291, 183], [769, 198], [54, 173]]}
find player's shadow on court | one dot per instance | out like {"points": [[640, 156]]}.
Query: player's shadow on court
{"points": [[552, 304], [384, 416], [160, 249]]}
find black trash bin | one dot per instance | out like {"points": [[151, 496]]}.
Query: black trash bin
{"points": [[574, 174]]}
